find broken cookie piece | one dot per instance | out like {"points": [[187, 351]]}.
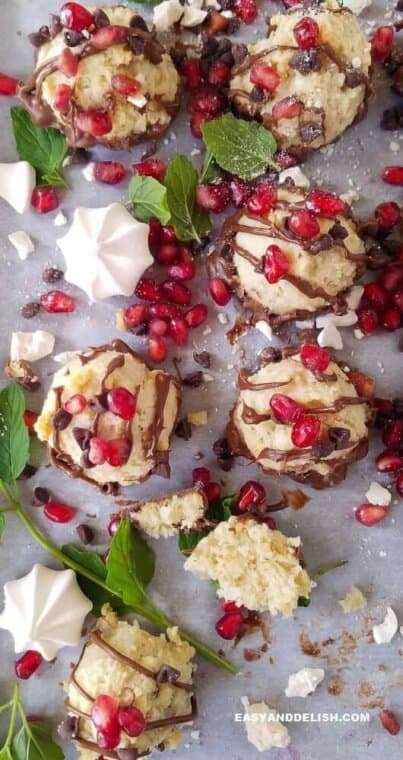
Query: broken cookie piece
{"points": [[167, 515]]}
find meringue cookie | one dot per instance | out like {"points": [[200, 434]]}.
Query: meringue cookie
{"points": [[17, 182], [106, 251], [44, 611]]}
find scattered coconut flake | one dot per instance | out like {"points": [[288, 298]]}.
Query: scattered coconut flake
{"points": [[88, 172], [193, 15], [338, 320], [385, 631], [22, 244], [60, 219], [354, 296], [207, 378], [378, 494], [305, 324], [354, 600], [304, 682], [296, 174], [222, 318], [120, 323], [350, 197], [394, 146], [166, 14], [65, 356], [31, 346], [265, 329], [138, 100], [330, 338], [263, 729], [359, 334], [195, 735]]}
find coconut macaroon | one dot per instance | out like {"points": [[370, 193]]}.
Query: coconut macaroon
{"points": [[108, 417], [129, 692], [293, 258], [166, 516], [102, 77], [309, 80], [253, 565], [301, 416]]}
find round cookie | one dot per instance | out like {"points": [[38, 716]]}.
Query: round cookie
{"points": [[319, 269], [123, 87], [277, 402], [87, 438], [306, 97]]}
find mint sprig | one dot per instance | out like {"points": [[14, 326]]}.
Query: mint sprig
{"points": [[243, 148], [148, 198], [44, 148], [189, 220], [32, 740]]}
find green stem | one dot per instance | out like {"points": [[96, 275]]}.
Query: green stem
{"points": [[15, 701]]}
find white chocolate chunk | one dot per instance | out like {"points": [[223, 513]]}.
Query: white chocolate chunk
{"points": [[304, 682], [31, 346], [17, 182], [378, 494], [22, 244], [385, 631]]}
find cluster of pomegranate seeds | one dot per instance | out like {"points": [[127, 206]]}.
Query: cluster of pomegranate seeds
{"points": [[191, 71], [314, 358], [109, 172], [110, 719], [8, 85], [122, 403], [75, 17], [262, 199], [246, 10], [219, 291], [275, 264], [219, 74], [75, 404], [62, 98], [44, 199], [214, 197], [94, 123], [304, 224], [389, 722], [306, 33], [285, 409], [125, 85], [152, 167], [389, 417], [382, 43], [288, 108], [57, 302], [326, 204], [370, 514], [27, 664], [381, 305], [114, 452], [58, 512], [393, 175], [264, 76]]}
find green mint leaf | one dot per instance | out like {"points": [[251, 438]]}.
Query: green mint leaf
{"points": [[14, 438], [241, 147], [189, 220], [44, 147], [210, 169], [189, 541], [148, 198], [304, 601], [130, 565], [2, 524], [93, 562], [328, 569], [5, 754], [34, 742], [218, 511]]}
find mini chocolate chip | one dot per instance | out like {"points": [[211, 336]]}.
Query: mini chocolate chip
{"points": [[85, 533], [80, 156], [221, 447], [193, 379], [51, 274], [167, 674], [398, 407], [30, 310], [153, 51], [203, 358], [225, 463], [256, 94], [83, 437], [61, 420], [339, 436], [392, 118], [41, 496], [354, 78], [101, 19], [310, 132], [270, 355], [323, 449], [68, 729], [233, 25], [127, 754], [137, 22], [162, 470], [399, 5], [183, 430], [72, 38], [136, 44], [37, 39], [210, 48], [306, 61], [322, 243], [338, 232]]}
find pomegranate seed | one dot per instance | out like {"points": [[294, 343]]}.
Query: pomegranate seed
{"points": [[154, 237], [389, 461], [75, 17], [219, 74], [190, 69], [118, 452], [164, 310], [229, 626], [288, 108], [368, 320], [284, 159], [306, 33], [168, 234], [98, 451], [196, 315], [382, 43], [314, 358], [8, 85], [94, 123], [391, 279], [399, 485], [212, 491], [375, 295], [392, 437], [200, 476], [176, 292], [246, 10], [285, 409], [131, 721], [303, 224], [157, 350], [219, 291], [107, 36], [387, 215], [398, 300], [122, 403], [109, 172], [114, 524], [393, 175], [44, 199], [229, 606], [251, 494], [59, 513], [30, 418], [398, 255], [262, 199], [196, 123], [148, 290], [135, 315], [125, 85], [391, 319], [108, 739], [182, 271], [62, 97], [68, 63], [383, 406], [76, 404], [27, 664], [240, 192], [153, 167], [327, 204], [56, 302], [275, 264], [305, 432], [389, 722], [207, 101], [213, 197], [264, 77], [104, 713], [370, 514], [157, 328], [178, 331]]}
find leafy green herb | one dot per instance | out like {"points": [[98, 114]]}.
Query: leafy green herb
{"points": [[44, 147], [2, 524], [33, 740], [328, 569], [148, 198], [218, 511], [210, 169], [130, 564], [241, 147], [93, 562], [189, 220], [304, 601], [14, 449]]}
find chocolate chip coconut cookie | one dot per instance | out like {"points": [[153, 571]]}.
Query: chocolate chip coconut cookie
{"points": [[301, 415], [102, 77], [309, 80], [108, 417], [289, 253]]}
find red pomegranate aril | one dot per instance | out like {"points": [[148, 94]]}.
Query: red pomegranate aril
{"points": [[399, 484], [196, 123], [56, 302], [176, 292], [382, 43], [179, 331], [387, 215], [44, 199], [398, 300], [62, 98], [326, 204], [219, 291], [288, 108], [168, 234], [306, 33], [125, 85], [94, 123], [104, 713], [368, 320], [154, 235], [229, 606], [314, 358], [285, 409], [389, 722], [264, 77], [370, 514], [109, 172], [135, 315], [167, 253], [262, 199], [107, 36], [285, 159], [108, 739], [8, 85], [131, 720], [148, 289], [389, 461], [251, 494], [76, 404], [30, 418], [59, 513], [275, 264], [207, 101], [240, 192], [200, 476], [212, 491], [305, 432], [392, 436], [190, 69], [219, 74], [391, 319], [391, 279], [213, 197], [229, 626], [375, 295], [118, 451], [157, 328], [152, 167], [122, 403], [183, 271], [68, 63], [98, 450], [157, 350], [246, 10], [75, 17], [164, 310], [393, 175], [196, 315], [27, 664], [304, 224]]}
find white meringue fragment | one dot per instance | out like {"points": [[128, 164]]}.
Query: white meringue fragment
{"points": [[354, 296], [31, 346], [17, 182], [296, 174], [330, 338], [22, 243], [378, 494], [385, 631], [264, 730], [44, 611], [265, 329], [193, 16], [337, 320], [166, 14], [304, 682], [106, 251]]}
